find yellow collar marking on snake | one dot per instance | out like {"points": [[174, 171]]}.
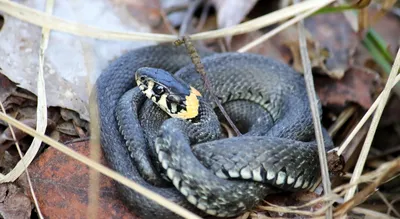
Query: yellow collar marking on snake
{"points": [[192, 105]]}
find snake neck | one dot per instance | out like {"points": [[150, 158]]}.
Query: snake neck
{"points": [[205, 126]]}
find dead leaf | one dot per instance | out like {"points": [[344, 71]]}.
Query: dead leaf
{"points": [[71, 62], [6, 138], [357, 86], [13, 202], [62, 185], [7, 87], [333, 34]]}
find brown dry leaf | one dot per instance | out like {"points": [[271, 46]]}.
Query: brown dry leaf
{"points": [[7, 87], [357, 86], [335, 36], [62, 184], [14, 203], [6, 138]]}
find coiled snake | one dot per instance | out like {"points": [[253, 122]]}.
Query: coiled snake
{"points": [[207, 174]]}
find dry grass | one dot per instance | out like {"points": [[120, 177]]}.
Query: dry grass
{"points": [[301, 10]]}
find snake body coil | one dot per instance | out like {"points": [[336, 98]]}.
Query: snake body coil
{"points": [[220, 177]]}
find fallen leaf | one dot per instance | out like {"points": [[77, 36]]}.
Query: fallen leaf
{"points": [[339, 41], [62, 184], [71, 62], [358, 85], [7, 87], [13, 202]]}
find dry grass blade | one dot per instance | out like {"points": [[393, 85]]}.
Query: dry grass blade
{"points": [[260, 22], [51, 22], [101, 168], [371, 214], [387, 170], [364, 119], [388, 204], [283, 26], [375, 178], [343, 117], [371, 132], [41, 19], [312, 96]]}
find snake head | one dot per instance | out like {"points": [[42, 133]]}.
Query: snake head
{"points": [[171, 94]]}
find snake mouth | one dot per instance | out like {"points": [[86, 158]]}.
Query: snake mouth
{"points": [[172, 95]]}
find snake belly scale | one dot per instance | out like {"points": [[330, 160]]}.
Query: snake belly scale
{"points": [[189, 162]]}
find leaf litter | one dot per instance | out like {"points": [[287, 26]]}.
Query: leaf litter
{"points": [[344, 75]]}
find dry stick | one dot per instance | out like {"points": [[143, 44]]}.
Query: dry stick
{"points": [[315, 114], [364, 119], [375, 120], [283, 26], [101, 168], [200, 69]]}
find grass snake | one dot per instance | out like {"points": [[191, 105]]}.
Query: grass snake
{"points": [[190, 162]]}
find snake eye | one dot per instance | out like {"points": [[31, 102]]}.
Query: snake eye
{"points": [[173, 98], [158, 89]]}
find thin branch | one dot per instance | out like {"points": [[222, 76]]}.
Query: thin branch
{"points": [[200, 69], [312, 96], [375, 121]]}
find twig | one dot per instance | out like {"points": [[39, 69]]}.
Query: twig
{"points": [[388, 204], [102, 169], [200, 69], [315, 114], [77, 140], [375, 120]]}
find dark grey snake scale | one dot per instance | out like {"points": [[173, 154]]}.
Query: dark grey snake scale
{"points": [[191, 162]]}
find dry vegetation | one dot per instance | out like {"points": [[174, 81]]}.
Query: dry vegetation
{"points": [[369, 185]]}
